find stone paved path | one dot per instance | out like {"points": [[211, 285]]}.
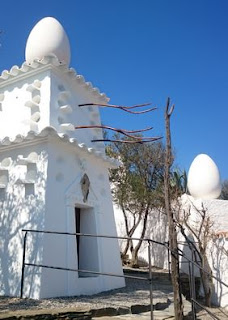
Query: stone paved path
{"points": [[107, 305]]}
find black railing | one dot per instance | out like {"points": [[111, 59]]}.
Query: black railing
{"points": [[191, 264]]}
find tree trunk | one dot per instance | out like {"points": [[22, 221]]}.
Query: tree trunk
{"points": [[129, 232], [200, 254], [206, 279], [135, 251], [175, 276]]}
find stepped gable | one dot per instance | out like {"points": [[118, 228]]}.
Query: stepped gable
{"points": [[48, 62]]}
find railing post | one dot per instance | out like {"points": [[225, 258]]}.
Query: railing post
{"points": [[169, 262], [23, 265], [150, 280], [193, 291]]}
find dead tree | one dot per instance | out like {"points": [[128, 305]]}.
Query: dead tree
{"points": [[201, 230], [175, 275], [178, 305]]}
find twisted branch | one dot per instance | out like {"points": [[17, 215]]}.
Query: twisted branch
{"points": [[126, 133], [122, 131], [124, 108], [128, 141]]}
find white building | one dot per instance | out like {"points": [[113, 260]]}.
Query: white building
{"points": [[53, 177]]}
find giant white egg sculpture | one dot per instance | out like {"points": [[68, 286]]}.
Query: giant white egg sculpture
{"points": [[48, 37], [204, 178]]}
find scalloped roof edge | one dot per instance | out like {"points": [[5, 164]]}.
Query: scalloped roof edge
{"points": [[50, 131], [26, 67]]}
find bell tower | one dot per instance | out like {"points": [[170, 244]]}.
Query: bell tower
{"points": [[53, 177]]}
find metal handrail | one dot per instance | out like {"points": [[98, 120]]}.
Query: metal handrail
{"points": [[150, 241], [206, 309], [88, 271], [128, 238]]}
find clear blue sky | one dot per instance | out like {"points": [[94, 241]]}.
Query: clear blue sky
{"points": [[144, 50]]}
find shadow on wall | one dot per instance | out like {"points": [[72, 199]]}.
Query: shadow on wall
{"points": [[219, 262], [184, 247], [20, 209], [157, 230]]}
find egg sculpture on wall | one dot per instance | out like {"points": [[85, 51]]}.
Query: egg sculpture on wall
{"points": [[204, 178], [47, 37]]}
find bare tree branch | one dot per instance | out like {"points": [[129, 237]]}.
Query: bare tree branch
{"points": [[124, 108], [127, 141], [122, 131]]}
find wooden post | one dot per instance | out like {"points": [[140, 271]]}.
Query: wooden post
{"points": [[175, 275]]}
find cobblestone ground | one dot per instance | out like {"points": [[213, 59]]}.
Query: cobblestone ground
{"points": [[135, 294]]}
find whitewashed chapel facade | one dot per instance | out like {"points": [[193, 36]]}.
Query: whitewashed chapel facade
{"points": [[43, 165]]}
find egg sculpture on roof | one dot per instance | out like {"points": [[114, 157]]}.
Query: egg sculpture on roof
{"points": [[204, 178], [46, 38]]}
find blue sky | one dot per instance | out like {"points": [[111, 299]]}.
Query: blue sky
{"points": [[140, 51]]}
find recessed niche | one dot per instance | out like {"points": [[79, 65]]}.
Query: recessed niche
{"points": [[2, 96], [61, 87], [29, 189], [60, 120], [31, 104], [36, 98], [35, 92], [6, 162], [66, 108], [33, 125], [61, 102], [35, 117], [31, 172], [67, 127], [32, 158], [4, 176], [64, 95], [37, 84], [2, 194], [34, 86], [59, 177]]}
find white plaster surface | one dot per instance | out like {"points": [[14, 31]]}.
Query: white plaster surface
{"points": [[50, 206], [21, 207], [42, 163], [217, 248], [48, 37], [157, 230], [217, 254]]}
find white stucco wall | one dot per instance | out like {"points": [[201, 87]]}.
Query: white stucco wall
{"points": [[43, 193], [157, 229], [22, 206], [65, 170], [217, 249]]}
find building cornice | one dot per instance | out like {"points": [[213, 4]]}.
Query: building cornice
{"points": [[48, 63], [33, 138]]}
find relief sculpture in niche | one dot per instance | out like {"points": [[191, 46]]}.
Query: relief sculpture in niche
{"points": [[85, 184]]}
